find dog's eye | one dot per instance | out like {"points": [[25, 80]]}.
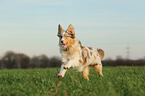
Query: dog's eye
{"points": [[60, 36]]}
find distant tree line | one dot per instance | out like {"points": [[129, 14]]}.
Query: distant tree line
{"points": [[122, 62], [12, 60]]}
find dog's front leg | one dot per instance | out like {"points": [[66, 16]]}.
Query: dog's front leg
{"points": [[66, 66], [71, 63], [62, 71]]}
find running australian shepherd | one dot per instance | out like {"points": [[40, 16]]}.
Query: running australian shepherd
{"points": [[74, 55]]}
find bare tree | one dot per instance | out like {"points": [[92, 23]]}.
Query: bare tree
{"points": [[22, 60], [39, 61], [15, 60], [55, 62]]}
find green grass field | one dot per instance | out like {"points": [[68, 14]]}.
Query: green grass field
{"points": [[117, 81]]}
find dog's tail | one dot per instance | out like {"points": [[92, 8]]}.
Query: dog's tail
{"points": [[101, 52]]}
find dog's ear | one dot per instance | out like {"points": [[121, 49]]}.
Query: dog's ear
{"points": [[60, 30], [71, 31]]}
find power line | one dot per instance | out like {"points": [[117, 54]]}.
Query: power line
{"points": [[128, 52]]}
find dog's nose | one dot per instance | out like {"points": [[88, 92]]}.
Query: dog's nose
{"points": [[61, 41]]}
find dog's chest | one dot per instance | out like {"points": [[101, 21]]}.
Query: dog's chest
{"points": [[72, 53]]}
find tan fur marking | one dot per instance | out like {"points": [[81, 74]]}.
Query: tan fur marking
{"points": [[69, 41], [88, 56], [80, 61], [60, 30], [83, 56], [65, 35], [85, 73], [95, 57], [72, 52], [80, 44], [98, 69], [90, 48], [101, 53], [91, 53], [71, 31]]}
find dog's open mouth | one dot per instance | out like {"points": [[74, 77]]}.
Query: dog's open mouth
{"points": [[64, 45]]}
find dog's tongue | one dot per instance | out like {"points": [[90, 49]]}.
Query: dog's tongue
{"points": [[63, 45]]}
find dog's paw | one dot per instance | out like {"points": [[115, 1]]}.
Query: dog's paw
{"points": [[59, 76], [65, 68]]}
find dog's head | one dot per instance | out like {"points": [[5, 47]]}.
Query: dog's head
{"points": [[66, 38]]}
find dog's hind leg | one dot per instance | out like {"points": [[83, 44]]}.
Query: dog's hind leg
{"points": [[85, 73], [98, 68]]}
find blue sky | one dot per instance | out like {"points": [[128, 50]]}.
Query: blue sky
{"points": [[30, 26]]}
